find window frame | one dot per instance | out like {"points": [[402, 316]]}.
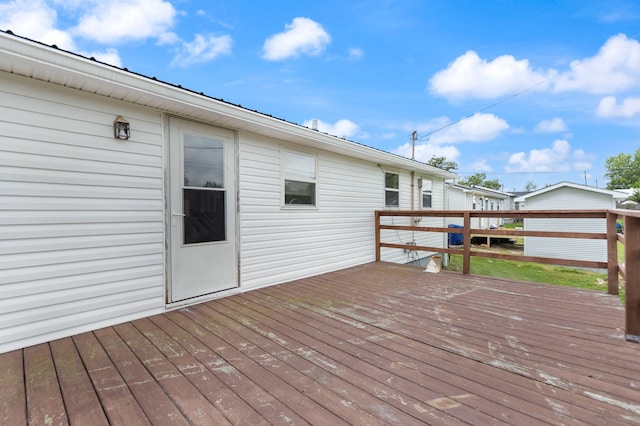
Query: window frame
{"points": [[388, 189], [424, 190], [287, 176]]}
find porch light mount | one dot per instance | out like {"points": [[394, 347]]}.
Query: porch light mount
{"points": [[121, 129]]}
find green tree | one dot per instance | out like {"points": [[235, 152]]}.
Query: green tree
{"points": [[623, 171], [442, 163], [480, 179], [530, 186]]}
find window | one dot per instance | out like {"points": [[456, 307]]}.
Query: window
{"points": [[203, 192], [391, 189], [427, 188], [299, 179]]}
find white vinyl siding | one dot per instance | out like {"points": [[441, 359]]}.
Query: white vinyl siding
{"points": [[81, 214], [430, 239], [563, 248], [279, 245]]}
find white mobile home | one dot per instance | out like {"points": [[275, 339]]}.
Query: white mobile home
{"points": [[461, 197], [568, 196], [122, 196]]}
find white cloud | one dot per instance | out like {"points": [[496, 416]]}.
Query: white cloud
{"points": [[120, 20], [109, 56], [480, 166], [609, 107], [424, 151], [302, 36], [469, 76], [555, 125], [478, 128], [168, 38], [344, 128], [356, 54], [558, 158], [36, 20], [203, 48], [615, 68]]}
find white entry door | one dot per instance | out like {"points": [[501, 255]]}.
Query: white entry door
{"points": [[202, 210]]}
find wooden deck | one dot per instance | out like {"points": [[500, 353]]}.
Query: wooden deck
{"points": [[375, 344]]}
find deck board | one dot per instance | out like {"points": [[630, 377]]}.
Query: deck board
{"points": [[13, 399], [80, 400], [375, 344], [44, 398]]}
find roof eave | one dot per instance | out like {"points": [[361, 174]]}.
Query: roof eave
{"points": [[35, 60]]}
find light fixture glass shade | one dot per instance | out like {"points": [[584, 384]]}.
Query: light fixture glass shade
{"points": [[121, 129]]}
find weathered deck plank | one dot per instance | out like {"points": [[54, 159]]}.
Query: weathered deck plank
{"points": [[80, 400], [13, 398], [372, 346], [117, 400], [44, 399], [218, 393], [375, 344]]}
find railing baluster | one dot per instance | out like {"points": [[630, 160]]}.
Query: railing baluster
{"points": [[632, 277], [612, 253], [377, 224], [466, 243], [630, 270]]}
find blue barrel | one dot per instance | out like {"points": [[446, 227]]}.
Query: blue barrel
{"points": [[455, 239]]}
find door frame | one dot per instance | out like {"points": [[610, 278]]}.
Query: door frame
{"points": [[167, 118]]}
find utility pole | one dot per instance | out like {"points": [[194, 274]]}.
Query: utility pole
{"points": [[414, 136]]}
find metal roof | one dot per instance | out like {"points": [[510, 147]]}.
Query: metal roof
{"points": [[616, 195]]}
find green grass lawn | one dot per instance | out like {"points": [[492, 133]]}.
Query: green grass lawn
{"points": [[534, 272]]}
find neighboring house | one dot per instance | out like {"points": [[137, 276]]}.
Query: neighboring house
{"points": [[515, 195], [628, 203], [568, 196], [460, 197], [123, 197]]}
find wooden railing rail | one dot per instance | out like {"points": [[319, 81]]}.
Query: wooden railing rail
{"points": [[629, 269]]}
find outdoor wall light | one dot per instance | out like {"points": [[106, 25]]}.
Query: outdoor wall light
{"points": [[121, 128]]}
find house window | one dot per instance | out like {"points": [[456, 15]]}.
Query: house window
{"points": [[299, 179], [391, 189], [427, 188]]}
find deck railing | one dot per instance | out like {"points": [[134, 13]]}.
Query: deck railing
{"points": [[629, 270]]}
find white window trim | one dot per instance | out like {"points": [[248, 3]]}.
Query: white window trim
{"points": [[384, 201], [423, 190], [283, 177]]}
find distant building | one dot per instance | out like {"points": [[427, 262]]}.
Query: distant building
{"points": [[568, 196], [460, 197]]}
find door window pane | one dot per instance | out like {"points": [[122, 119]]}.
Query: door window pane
{"points": [[203, 162], [204, 216]]}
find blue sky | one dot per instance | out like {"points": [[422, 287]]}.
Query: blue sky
{"points": [[545, 90]]}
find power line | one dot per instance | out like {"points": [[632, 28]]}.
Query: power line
{"points": [[519, 173], [533, 86]]}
